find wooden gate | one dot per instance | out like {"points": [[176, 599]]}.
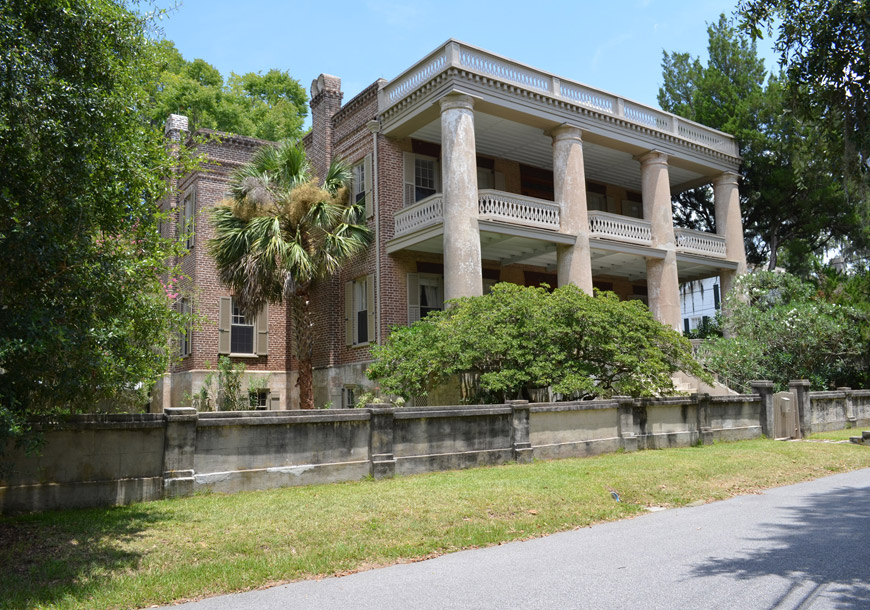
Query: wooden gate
{"points": [[785, 419]]}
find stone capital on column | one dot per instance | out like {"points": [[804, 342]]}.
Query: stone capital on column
{"points": [[726, 179], [456, 100], [652, 157], [565, 132]]}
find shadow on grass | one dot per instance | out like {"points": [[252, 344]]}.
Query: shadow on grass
{"points": [[69, 554], [822, 546]]}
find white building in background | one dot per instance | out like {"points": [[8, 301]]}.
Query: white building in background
{"points": [[698, 300]]}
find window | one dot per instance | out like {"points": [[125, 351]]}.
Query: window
{"points": [[359, 182], [260, 399], [425, 294], [184, 335], [189, 213], [362, 184], [240, 335], [359, 311], [361, 321], [348, 397], [422, 178]]}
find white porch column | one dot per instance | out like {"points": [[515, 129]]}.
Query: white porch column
{"points": [[661, 274], [463, 275], [726, 199], [574, 263]]}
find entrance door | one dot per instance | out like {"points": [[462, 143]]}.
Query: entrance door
{"points": [[785, 421]]}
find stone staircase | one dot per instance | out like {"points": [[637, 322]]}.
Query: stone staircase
{"points": [[864, 439], [683, 382]]}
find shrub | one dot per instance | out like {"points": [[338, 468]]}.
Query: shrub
{"points": [[516, 339]]}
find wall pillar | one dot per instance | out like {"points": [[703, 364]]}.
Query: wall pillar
{"points": [[705, 434], [520, 438], [801, 390], [179, 448], [625, 423], [848, 407], [574, 263], [383, 462], [463, 275], [662, 280], [729, 224], [765, 390]]}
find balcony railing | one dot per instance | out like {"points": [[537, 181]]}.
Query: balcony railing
{"points": [[537, 213], [479, 63], [424, 213], [517, 209], [620, 228], [699, 242]]}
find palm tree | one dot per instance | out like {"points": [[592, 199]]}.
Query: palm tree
{"points": [[279, 232]]}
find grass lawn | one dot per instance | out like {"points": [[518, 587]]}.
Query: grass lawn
{"points": [[838, 435], [157, 552]]}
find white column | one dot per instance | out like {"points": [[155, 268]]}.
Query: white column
{"points": [[662, 280], [574, 263], [463, 275], [729, 224]]}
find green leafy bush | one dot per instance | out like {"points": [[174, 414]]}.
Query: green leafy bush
{"points": [[516, 339], [782, 328]]}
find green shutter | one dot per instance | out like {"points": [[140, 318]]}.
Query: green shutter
{"points": [[370, 307], [263, 331], [413, 298], [410, 191], [369, 199], [348, 313], [226, 310]]}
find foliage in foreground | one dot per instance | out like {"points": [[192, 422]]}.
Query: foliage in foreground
{"points": [[781, 328], [516, 339], [280, 232], [81, 302]]}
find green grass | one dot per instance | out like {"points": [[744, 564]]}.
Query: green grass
{"points": [[837, 435], [158, 552]]}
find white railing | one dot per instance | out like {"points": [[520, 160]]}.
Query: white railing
{"points": [[479, 62], [699, 242], [518, 209], [620, 228], [424, 213]]}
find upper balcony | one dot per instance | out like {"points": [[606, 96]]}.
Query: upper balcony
{"points": [[532, 213], [510, 90]]}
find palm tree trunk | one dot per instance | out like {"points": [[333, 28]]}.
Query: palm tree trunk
{"points": [[304, 343]]}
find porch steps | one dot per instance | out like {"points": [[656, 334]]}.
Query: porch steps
{"points": [[864, 439], [683, 382]]}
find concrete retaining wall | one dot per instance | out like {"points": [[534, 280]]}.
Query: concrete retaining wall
{"points": [[118, 459]]}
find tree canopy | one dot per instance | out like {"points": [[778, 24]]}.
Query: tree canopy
{"points": [[791, 188], [270, 106], [82, 306], [515, 339]]}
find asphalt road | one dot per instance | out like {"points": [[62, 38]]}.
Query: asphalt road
{"points": [[801, 546]]}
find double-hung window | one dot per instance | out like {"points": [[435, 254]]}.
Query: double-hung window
{"points": [[425, 294], [422, 177], [184, 344], [361, 191], [240, 335], [359, 310], [188, 218]]}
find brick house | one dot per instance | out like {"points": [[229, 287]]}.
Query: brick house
{"points": [[475, 169]]}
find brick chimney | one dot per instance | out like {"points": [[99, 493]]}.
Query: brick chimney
{"points": [[176, 127], [325, 102]]}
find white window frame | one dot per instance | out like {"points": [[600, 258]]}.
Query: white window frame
{"points": [[412, 179], [188, 218], [359, 182], [360, 308], [234, 316]]}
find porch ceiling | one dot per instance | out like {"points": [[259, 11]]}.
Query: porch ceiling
{"points": [[504, 138]]}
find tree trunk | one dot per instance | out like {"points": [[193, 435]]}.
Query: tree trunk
{"points": [[773, 244], [303, 341]]}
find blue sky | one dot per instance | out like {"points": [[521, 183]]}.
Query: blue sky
{"points": [[615, 46]]}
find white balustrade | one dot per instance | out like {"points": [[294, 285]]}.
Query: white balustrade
{"points": [[646, 116], [699, 242], [517, 209], [424, 213], [620, 228], [480, 62], [506, 70]]}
